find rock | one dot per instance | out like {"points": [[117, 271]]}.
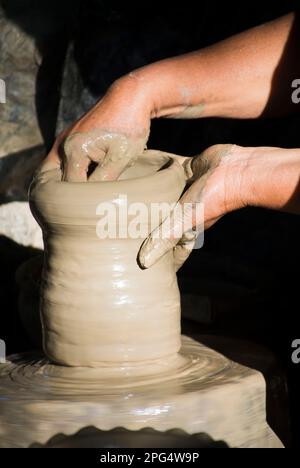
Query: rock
{"points": [[19, 64], [17, 223]]}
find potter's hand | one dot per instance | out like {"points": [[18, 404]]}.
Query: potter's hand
{"points": [[215, 176], [112, 135], [225, 178]]}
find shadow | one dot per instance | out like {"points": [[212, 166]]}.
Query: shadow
{"points": [[280, 99], [12, 255], [255, 252], [254, 356], [90, 437], [16, 173], [293, 204], [110, 39]]}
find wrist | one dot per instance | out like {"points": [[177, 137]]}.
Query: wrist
{"points": [[271, 178], [233, 172], [125, 108], [135, 90], [167, 89]]}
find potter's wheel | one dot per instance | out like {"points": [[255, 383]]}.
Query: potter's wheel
{"points": [[201, 391], [195, 364]]}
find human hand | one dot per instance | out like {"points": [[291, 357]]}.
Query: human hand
{"points": [[112, 135], [216, 181]]}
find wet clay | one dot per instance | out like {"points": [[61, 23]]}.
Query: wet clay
{"points": [[205, 393], [116, 329], [113, 153], [98, 307]]}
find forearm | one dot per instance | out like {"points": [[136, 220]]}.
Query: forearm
{"points": [[231, 79], [272, 179]]}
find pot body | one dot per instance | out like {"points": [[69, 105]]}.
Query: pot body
{"points": [[98, 307]]}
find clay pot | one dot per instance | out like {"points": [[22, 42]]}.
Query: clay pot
{"points": [[98, 307]]}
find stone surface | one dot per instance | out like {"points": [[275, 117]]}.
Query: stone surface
{"points": [[19, 65], [18, 224]]}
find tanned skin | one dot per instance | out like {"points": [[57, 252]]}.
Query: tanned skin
{"points": [[246, 76]]}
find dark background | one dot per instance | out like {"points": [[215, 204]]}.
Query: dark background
{"points": [[249, 267]]}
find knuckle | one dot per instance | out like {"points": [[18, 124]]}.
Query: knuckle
{"points": [[71, 145]]}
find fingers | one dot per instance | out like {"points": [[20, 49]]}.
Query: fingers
{"points": [[112, 152], [153, 249], [173, 232], [76, 169], [76, 150], [165, 237], [184, 248], [114, 164], [122, 152], [162, 239]]}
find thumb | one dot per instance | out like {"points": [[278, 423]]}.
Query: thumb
{"points": [[121, 152], [114, 164], [76, 158], [184, 248], [178, 226]]}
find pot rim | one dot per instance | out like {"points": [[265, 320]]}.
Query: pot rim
{"points": [[63, 193]]}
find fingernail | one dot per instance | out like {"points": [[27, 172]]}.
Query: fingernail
{"points": [[152, 250], [146, 253]]}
